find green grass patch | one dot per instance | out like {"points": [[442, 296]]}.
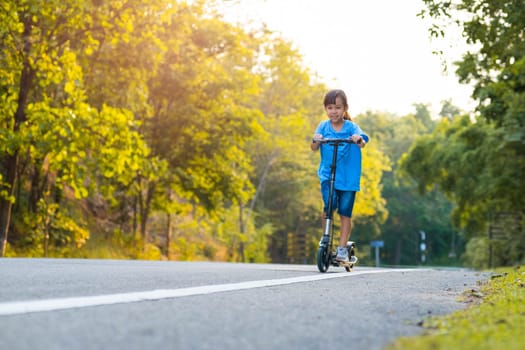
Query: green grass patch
{"points": [[494, 320]]}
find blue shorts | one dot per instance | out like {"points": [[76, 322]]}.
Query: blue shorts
{"points": [[342, 201]]}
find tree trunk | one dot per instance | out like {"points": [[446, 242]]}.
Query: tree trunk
{"points": [[46, 241], [168, 235], [397, 257], [135, 214], [169, 222], [262, 182], [6, 205], [242, 258], [12, 160], [145, 205]]}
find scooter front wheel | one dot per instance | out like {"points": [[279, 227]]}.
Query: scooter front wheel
{"points": [[323, 258]]}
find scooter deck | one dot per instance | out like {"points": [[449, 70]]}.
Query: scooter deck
{"points": [[346, 263]]}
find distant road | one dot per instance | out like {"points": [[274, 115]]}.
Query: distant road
{"points": [[118, 304]]}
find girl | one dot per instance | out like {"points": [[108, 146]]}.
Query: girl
{"points": [[348, 171]]}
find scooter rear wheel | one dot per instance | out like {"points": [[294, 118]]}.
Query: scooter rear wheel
{"points": [[323, 258]]}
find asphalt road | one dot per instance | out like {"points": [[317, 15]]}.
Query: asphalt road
{"points": [[109, 304]]}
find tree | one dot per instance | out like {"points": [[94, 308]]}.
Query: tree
{"points": [[423, 115], [55, 144], [448, 110], [283, 175], [30, 46], [408, 211], [495, 65]]}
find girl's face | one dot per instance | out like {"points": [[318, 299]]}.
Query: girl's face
{"points": [[336, 111]]}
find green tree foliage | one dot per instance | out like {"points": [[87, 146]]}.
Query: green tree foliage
{"points": [[479, 162], [158, 127], [408, 211], [284, 174], [203, 113], [47, 155], [448, 110], [86, 83]]}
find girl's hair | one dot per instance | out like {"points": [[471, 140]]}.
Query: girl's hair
{"points": [[332, 95]]}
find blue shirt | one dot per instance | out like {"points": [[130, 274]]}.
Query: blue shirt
{"points": [[348, 170]]}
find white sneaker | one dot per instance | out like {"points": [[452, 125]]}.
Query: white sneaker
{"points": [[342, 255]]}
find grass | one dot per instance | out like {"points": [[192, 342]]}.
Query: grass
{"points": [[494, 320]]}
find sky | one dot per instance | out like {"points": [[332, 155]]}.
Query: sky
{"points": [[378, 51]]}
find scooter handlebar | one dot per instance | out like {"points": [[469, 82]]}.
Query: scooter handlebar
{"points": [[336, 140]]}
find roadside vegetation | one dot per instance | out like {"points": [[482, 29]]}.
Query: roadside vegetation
{"points": [[494, 320]]}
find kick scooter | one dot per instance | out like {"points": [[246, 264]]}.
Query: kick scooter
{"points": [[325, 254]]}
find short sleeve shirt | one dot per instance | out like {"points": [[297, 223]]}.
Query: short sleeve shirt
{"points": [[348, 170]]}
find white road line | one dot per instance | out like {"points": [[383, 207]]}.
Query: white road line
{"points": [[30, 306]]}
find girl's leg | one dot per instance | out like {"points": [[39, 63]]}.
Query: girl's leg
{"points": [[346, 205], [346, 230]]}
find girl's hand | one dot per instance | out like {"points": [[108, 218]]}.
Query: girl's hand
{"points": [[358, 139], [315, 145]]}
